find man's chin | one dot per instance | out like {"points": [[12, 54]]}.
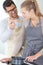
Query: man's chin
{"points": [[14, 16]]}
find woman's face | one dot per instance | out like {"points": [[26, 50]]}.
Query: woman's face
{"points": [[25, 13]]}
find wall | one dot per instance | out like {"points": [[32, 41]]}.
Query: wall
{"points": [[40, 3]]}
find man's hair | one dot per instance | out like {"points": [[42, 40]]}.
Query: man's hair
{"points": [[8, 3]]}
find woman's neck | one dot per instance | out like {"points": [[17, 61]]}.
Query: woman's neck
{"points": [[34, 20], [34, 17]]}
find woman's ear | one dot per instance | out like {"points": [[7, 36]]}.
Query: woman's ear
{"points": [[32, 12]]}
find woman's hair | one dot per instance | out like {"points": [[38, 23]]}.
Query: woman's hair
{"points": [[31, 5]]}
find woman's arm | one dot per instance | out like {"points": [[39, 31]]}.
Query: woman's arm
{"points": [[34, 57], [40, 53], [6, 29]]}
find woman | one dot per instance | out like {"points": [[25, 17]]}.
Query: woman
{"points": [[34, 37]]}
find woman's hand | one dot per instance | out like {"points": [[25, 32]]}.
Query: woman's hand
{"points": [[34, 57], [31, 58]]}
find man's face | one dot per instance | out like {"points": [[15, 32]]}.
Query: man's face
{"points": [[12, 11]]}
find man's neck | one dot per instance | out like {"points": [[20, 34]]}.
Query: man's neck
{"points": [[14, 17]]}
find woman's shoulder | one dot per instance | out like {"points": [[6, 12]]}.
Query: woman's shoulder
{"points": [[41, 18]]}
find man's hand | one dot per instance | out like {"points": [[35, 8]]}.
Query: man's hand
{"points": [[11, 23], [5, 60]]}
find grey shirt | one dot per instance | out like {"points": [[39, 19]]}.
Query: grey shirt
{"points": [[34, 39]]}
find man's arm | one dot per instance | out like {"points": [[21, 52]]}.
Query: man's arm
{"points": [[6, 29], [6, 34]]}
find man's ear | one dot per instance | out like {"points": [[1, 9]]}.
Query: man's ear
{"points": [[6, 11]]}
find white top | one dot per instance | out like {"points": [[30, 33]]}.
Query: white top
{"points": [[11, 40]]}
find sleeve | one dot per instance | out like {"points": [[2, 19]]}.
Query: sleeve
{"points": [[5, 32], [41, 19], [41, 51]]}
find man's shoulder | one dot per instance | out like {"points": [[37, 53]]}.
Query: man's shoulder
{"points": [[20, 17], [4, 22]]}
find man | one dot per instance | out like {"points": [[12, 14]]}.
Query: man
{"points": [[11, 31]]}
